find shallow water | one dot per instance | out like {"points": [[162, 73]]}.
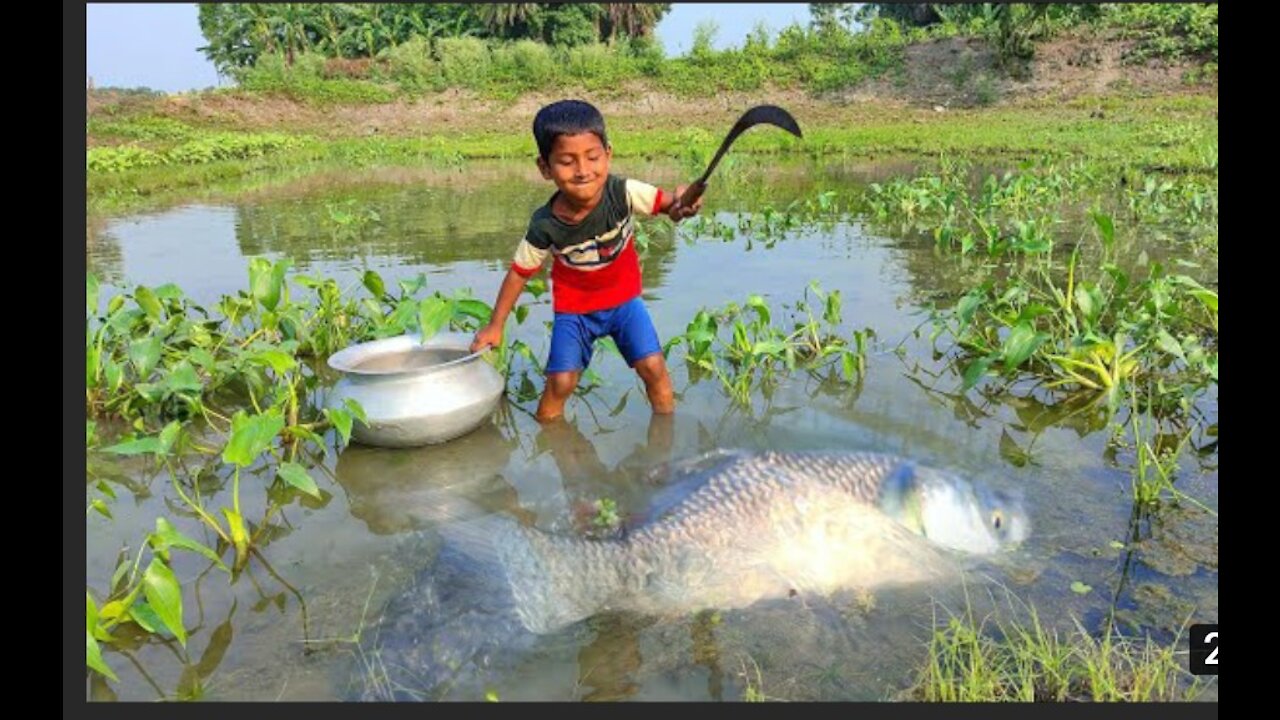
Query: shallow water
{"points": [[366, 550]]}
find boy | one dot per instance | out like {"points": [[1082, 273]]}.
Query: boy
{"points": [[587, 228]]}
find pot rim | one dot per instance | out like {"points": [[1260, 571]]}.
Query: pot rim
{"points": [[348, 358]]}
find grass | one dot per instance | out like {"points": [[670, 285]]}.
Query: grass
{"points": [[1012, 660], [1175, 134]]}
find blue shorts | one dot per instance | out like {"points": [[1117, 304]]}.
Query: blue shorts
{"points": [[573, 336]]}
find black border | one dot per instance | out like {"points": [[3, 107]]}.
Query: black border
{"points": [[75, 704]]}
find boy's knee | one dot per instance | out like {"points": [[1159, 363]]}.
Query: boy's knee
{"points": [[657, 381], [561, 385], [652, 368]]}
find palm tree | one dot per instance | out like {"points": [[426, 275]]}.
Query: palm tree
{"points": [[507, 19], [631, 19]]}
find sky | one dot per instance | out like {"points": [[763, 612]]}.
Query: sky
{"points": [[154, 44]]}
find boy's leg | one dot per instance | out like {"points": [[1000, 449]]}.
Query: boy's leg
{"points": [[657, 383], [559, 387], [572, 338], [633, 332]]}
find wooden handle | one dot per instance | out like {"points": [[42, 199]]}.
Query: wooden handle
{"points": [[692, 193]]}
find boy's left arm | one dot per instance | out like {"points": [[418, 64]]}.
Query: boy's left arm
{"points": [[648, 200]]}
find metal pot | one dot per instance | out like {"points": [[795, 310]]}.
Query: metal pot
{"points": [[414, 393]]}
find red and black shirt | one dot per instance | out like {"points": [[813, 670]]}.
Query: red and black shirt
{"points": [[596, 266]]}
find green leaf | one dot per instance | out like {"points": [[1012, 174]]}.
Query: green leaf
{"points": [[105, 489], [122, 568], [849, 362], [279, 360], [169, 291], [373, 281], [101, 507], [768, 347], [354, 407], [169, 434], [974, 371], [148, 301], [93, 657], [145, 616], [91, 293], [239, 538], [1033, 311], [140, 446], [1080, 588], [536, 287], [145, 354], [522, 312], [700, 335], [90, 427], [400, 317], [434, 313], [305, 434], [1208, 298], [250, 436], [1089, 300], [182, 378], [114, 375], [90, 612], [1116, 545], [761, 307], [408, 288], [167, 536], [265, 281], [967, 306], [1106, 229], [92, 358], [473, 308], [341, 420], [165, 597], [1167, 343], [297, 476], [1020, 344]]}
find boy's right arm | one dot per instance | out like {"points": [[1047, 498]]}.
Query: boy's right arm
{"points": [[491, 334], [529, 257]]}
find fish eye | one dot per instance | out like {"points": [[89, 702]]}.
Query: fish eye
{"points": [[997, 519]]}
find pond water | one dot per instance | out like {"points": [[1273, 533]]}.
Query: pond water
{"points": [[372, 549]]}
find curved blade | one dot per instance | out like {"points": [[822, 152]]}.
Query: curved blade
{"points": [[768, 114]]}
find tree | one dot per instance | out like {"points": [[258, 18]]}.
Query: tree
{"points": [[826, 17], [907, 14], [631, 19], [509, 20]]}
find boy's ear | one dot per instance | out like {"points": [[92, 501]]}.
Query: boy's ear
{"points": [[544, 168]]}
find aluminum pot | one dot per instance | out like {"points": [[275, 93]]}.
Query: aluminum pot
{"points": [[416, 393]]}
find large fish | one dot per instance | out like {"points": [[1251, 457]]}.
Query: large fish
{"points": [[748, 526], [735, 529]]}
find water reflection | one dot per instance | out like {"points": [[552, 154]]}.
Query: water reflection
{"points": [[402, 490]]}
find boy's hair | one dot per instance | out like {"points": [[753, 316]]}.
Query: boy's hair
{"points": [[566, 117]]}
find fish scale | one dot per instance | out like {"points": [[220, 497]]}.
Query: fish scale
{"points": [[758, 525]]}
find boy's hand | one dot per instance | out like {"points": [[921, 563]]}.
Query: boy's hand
{"points": [[678, 212], [488, 336]]}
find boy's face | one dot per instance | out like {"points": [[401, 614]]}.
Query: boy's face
{"points": [[578, 164]]}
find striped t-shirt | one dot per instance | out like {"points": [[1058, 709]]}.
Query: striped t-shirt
{"points": [[595, 265]]}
